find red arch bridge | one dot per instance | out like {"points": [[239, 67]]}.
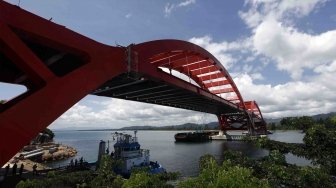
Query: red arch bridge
{"points": [[59, 67]]}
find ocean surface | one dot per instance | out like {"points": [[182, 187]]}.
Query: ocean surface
{"points": [[174, 156]]}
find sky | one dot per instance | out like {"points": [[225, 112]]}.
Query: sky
{"points": [[281, 53]]}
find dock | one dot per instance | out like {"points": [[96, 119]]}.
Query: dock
{"points": [[228, 137]]}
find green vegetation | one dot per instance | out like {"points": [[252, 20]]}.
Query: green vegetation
{"points": [[58, 179], [302, 123], [49, 133], [144, 180], [319, 145], [293, 123], [226, 175], [103, 177], [270, 171], [2, 101]]}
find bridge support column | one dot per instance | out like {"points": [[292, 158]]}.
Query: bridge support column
{"points": [[223, 124], [235, 122]]}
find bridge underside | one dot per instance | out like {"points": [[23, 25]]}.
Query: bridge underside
{"points": [[149, 90]]}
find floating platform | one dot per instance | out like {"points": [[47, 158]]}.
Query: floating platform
{"points": [[194, 136], [228, 137]]}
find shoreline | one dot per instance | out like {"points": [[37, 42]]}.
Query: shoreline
{"points": [[44, 153]]}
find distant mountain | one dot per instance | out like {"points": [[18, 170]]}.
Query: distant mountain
{"points": [[276, 120], [323, 116], [194, 126], [315, 117], [211, 125], [146, 127], [186, 126]]}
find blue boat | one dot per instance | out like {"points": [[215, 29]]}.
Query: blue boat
{"points": [[128, 150]]}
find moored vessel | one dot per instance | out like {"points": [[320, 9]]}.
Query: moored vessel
{"points": [[128, 150], [193, 136]]}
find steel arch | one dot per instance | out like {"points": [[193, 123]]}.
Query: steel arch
{"points": [[194, 62], [59, 67]]}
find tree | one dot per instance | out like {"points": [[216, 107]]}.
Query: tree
{"points": [[144, 180], [331, 122], [271, 126], [303, 123], [226, 175], [321, 144], [105, 175]]}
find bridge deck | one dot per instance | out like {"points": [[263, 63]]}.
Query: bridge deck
{"points": [[162, 93]]}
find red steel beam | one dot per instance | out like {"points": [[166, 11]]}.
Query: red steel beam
{"points": [[165, 62], [49, 95], [219, 91], [217, 83], [183, 61], [28, 114], [212, 76], [204, 70], [160, 59], [200, 64]]}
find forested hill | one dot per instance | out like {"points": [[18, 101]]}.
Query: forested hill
{"points": [[187, 126], [315, 117], [212, 125]]}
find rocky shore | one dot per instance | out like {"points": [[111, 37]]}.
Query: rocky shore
{"points": [[62, 152], [38, 154]]}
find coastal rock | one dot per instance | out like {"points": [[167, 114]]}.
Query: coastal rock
{"points": [[60, 153]]}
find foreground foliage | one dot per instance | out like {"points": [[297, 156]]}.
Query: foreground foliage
{"points": [[103, 177], [225, 175], [319, 146], [270, 171], [58, 179]]}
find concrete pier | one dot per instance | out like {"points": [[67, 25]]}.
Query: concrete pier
{"points": [[224, 136]]}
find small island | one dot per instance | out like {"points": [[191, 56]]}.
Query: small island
{"points": [[40, 150]]}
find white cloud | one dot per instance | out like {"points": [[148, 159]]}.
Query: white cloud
{"points": [[289, 99], [292, 50], [260, 10], [257, 76], [186, 3], [275, 39], [222, 50], [169, 7], [275, 36], [116, 113]]}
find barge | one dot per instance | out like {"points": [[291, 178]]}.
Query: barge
{"points": [[194, 136]]}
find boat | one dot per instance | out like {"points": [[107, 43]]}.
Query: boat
{"points": [[193, 136], [128, 150]]}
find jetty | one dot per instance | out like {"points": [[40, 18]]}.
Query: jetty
{"points": [[234, 137]]}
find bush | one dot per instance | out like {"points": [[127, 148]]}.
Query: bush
{"points": [[225, 175], [144, 180]]}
